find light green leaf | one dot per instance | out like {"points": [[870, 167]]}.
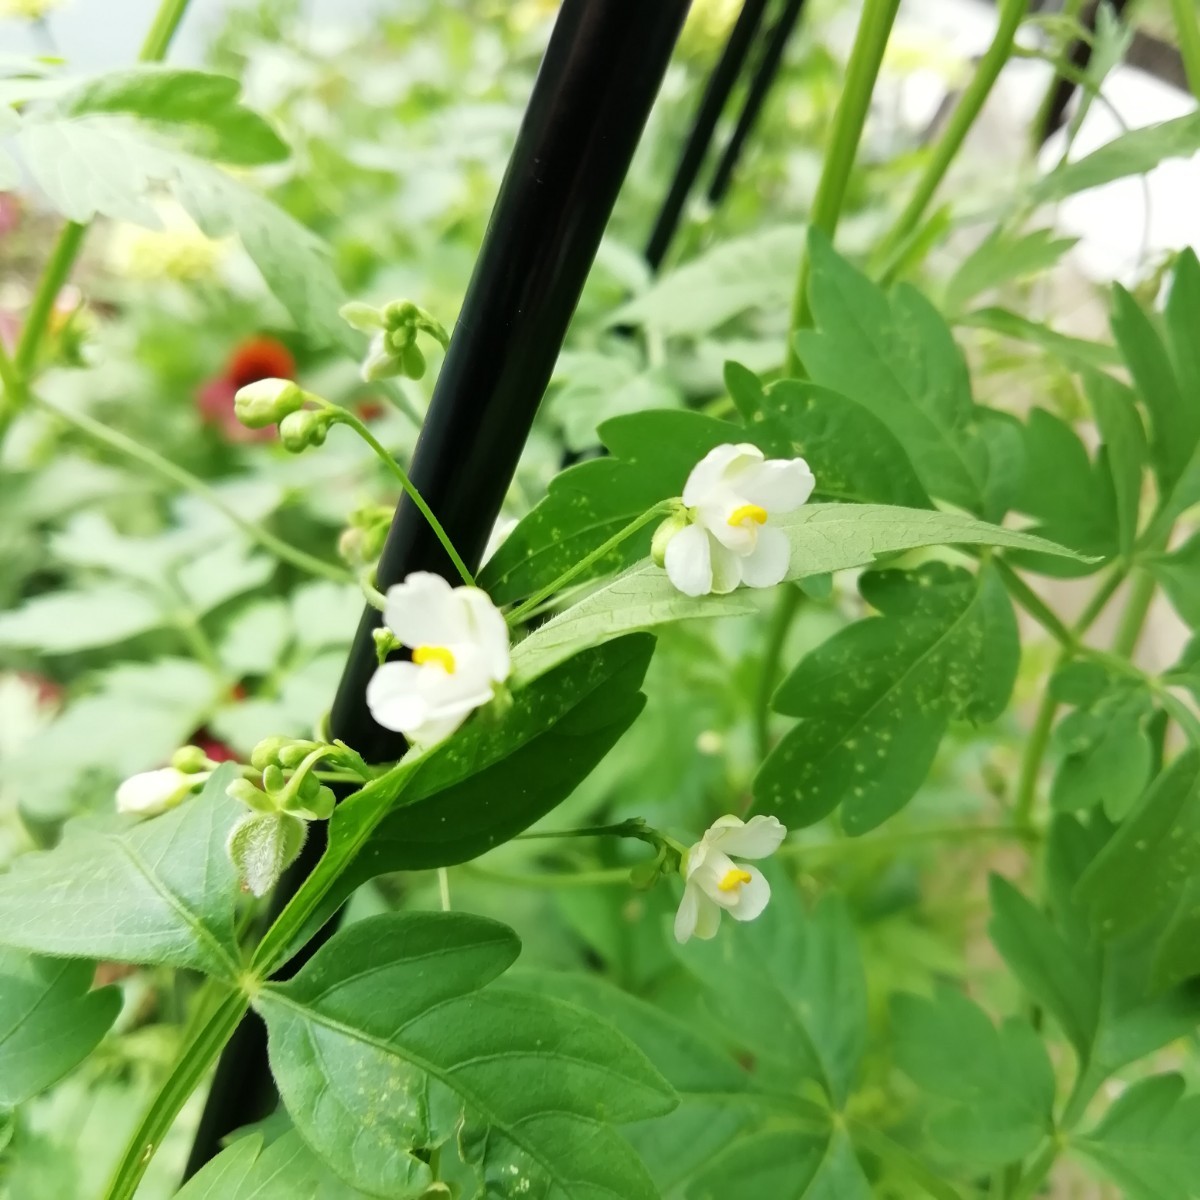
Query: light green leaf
{"points": [[1125, 447], [381, 1060], [1182, 316], [895, 356], [211, 579], [785, 1165], [49, 1021], [1147, 1142], [1132, 153], [875, 699], [1179, 574], [1004, 256], [1174, 418], [158, 891], [201, 107], [255, 639], [64, 622], [790, 989], [1074, 352], [995, 1087]]}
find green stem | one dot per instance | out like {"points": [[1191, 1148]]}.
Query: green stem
{"points": [[115, 440], [345, 417], [1137, 607], [966, 112], [786, 608], [1187, 27], [942, 835], [162, 30], [1032, 1180], [874, 28], [190, 1068], [1031, 761], [1070, 12], [634, 828], [604, 878], [523, 610], [1033, 604]]}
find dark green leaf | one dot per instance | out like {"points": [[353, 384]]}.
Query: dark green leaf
{"points": [[1133, 153], [387, 1046], [995, 1086], [201, 108], [785, 1165], [1125, 447], [49, 1021], [157, 891], [875, 699]]}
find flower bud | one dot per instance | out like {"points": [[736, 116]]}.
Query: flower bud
{"points": [[262, 846], [413, 362], [664, 533], [303, 428], [381, 362], [366, 318], [191, 760], [267, 752], [250, 796], [267, 402], [154, 792]]}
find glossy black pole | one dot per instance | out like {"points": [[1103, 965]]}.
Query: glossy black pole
{"points": [[769, 62], [716, 93], [599, 77]]}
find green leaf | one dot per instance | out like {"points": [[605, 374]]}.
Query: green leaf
{"points": [[1182, 316], [790, 989], [387, 1046], [210, 580], [201, 107], [1179, 574], [1132, 153], [785, 1165], [995, 1086], [875, 700], [1125, 448], [1074, 352], [49, 1021], [157, 891], [895, 356], [1147, 1141], [652, 454], [1174, 418], [64, 622], [1004, 256], [717, 1102]]}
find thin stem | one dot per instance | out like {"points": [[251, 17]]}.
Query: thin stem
{"points": [[345, 417], [605, 878], [966, 112], [1187, 26], [162, 30], [1137, 607], [941, 834], [1033, 1179], [634, 828], [190, 1068], [786, 608], [1033, 604], [523, 610], [123, 444], [443, 875], [1031, 761], [1070, 12], [870, 41]]}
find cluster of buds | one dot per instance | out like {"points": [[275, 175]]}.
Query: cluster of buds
{"points": [[361, 542], [393, 328], [284, 403]]}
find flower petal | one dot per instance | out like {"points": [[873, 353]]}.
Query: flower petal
{"points": [[727, 568], [688, 563], [394, 699], [488, 630], [752, 897], [714, 867], [710, 472], [778, 485], [423, 611], [708, 917], [688, 915], [757, 838], [767, 564]]}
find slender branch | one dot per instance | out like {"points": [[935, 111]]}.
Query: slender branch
{"points": [[346, 417], [786, 608], [190, 1068], [1034, 605], [1032, 1180], [1187, 28], [604, 878], [870, 41], [162, 30], [127, 446], [1137, 608], [523, 610], [942, 834]]}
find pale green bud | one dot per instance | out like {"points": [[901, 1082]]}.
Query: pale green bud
{"points": [[252, 797], [262, 846], [303, 428], [366, 318], [676, 522], [267, 751], [267, 402], [191, 759]]}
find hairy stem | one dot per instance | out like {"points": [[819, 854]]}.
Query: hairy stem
{"points": [[870, 41], [197, 1056]]}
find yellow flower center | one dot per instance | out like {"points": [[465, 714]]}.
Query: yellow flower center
{"points": [[746, 514], [733, 879], [435, 654]]}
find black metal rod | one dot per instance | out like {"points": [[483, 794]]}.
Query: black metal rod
{"points": [[769, 62], [716, 93], [597, 82]]}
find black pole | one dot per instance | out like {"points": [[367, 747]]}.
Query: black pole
{"points": [[769, 62], [716, 93], [597, 82]]}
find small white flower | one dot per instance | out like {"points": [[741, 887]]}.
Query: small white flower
{"points": [[730, 494], [153, 792], [714, 882], [460, 652]]}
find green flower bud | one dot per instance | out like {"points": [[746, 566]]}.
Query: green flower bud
{"points": [[318, 806], [267, 751], [191, 759], [413, 362], [380, 362], [267, 402], [366, 318], [664, 533], [273, 780], [252, 797], [385, 642], [294, 753], [303, 428], [262, 846]]}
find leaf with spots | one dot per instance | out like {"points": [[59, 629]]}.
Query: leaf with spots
{"points": [[156, 891], [875, 700], [388, 1047]]}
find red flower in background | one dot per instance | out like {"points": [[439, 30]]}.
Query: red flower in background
{"points": [[254, 359]]}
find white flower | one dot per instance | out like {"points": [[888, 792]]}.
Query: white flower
{"points": [[153, 792], [730, 494], [714, 882], [460, 652]]}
